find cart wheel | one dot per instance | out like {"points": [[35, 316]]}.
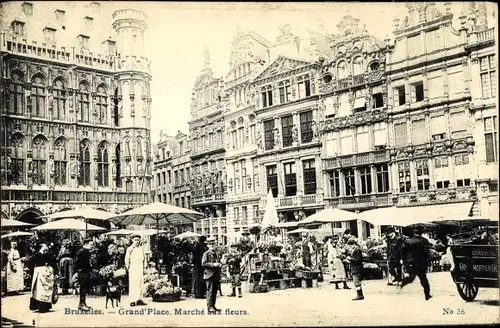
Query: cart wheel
{"points": [[467, 290]]}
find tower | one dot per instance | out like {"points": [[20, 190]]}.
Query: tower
{"points": [[132, 94]]}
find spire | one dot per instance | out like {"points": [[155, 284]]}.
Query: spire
{"points": [[206, 64]]}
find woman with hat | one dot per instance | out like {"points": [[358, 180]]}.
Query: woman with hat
{"points": [[15, 270], [135, 263], [335, 263]]}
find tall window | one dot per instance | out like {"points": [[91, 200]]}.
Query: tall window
{"points": [[84, 177], [363, 138], [357, 65], [342, 70], [380, 134], [285, 91], [462, 170], [438, 127], [241, 135], [346, 144], [18, 157], [116, 112], [491, 139], [399, 95], [59, 102], [304, 87], [404, 177], [39, 160], [290, 179], [442, 172], [102, 105], [366, 180], [60, 162], [236, 215], [84, 103], [418, 131], [255, 212], [38, 97], [306, 132], [382, 177], [487, 67], [286, 128], [309, 176], [269, 134], [102, 166], [400, 134], [423, 180], [334, 183], [267, 96], [350, 182], [16, 97], [417, 92], [272, 179]]}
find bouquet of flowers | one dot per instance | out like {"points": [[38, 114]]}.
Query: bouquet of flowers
{"points": [[107, 272]]}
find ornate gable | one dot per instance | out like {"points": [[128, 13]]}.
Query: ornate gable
{"points": [[281, 65]]}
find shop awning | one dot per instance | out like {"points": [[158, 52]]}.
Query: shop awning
{"points": [[442, 211]]}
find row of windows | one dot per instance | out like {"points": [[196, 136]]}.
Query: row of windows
{"points": [[289, 131], [181, 177], [290, 178], [241, 182], [352, 181], [243, 214], [285, 92]]}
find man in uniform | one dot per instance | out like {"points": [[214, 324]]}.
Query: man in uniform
{"points": [[234, 268], [211, 275], [82, 267], [415, 253], [394, 243]]}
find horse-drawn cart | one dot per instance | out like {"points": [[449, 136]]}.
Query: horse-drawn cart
{"points": [[475, 266]]}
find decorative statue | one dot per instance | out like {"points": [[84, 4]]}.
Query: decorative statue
{"points": [[128, 170], [73, 168], [140, 169], [295, 134], [258, 140], [276, 132], [52, 167], [256, 179], [113, 170], [96, 170], [315, 130], [214, 177]]}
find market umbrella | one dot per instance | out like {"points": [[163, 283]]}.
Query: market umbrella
{"points": [[120, 232], [187, 234], [270, 218], [288, 224], [329, 215], [154, 213], [392, 216], [16, 234], [84, 213], [9, 224], [67, 224], [300, 230]]}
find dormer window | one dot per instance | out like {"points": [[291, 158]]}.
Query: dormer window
{"points": [[49, 34], [83, 41], [28, 8], [304, 87], [96, 6], [110, 46], [89, 22], [60, 16], [18, 28], [267, 96], [285, 91]]}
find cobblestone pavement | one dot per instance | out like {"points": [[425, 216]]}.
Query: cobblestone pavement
{"points": [[304, 307]]}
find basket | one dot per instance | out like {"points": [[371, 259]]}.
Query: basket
{"points": [[174, 297]]}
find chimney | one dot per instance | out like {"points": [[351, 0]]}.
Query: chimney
{"points": [[482, 17]]}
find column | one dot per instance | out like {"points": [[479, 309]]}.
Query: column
{"points": [[280, 170], [373, 175], [296, 121], [300, 176], [357, 181], [342, 183]]}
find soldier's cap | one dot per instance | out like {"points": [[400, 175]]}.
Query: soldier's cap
{"points": [[389, 230], [210, 240]]}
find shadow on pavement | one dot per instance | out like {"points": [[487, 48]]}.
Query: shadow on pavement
{"points": [[490, 302], [7, 323]]}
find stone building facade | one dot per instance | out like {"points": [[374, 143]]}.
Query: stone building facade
{"points": [[75, 108]]}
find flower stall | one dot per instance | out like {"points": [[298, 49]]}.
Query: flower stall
{"points": [[374, 258], [160, 288]]}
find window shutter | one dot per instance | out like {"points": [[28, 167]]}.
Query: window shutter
{"points": [[380, 134], [418, 132], [400, 134], [458, 121], [438, 125]]}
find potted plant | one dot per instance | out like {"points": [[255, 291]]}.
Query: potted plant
{"points": [[161, 289]]}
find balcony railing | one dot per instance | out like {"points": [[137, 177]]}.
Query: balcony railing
{"points": [[484, 36], [352, 81], [220, 197], [356, 160], [360, 201], [238, 80], [111, 197], [297, 201]]}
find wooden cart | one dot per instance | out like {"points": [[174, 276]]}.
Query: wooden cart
{"points": [[474, 266]]}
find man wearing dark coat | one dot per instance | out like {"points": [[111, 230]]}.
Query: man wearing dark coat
{"points": [[415, 253], [82, 268], [394, 244], [199, 287], [356, 264], [211, 275]]}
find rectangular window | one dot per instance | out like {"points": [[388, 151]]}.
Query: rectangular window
{"points": [[269, 134], [285, 92], [382, 177], [290, 179], [441, 172], [458, 125], [423, 181], [438, 127], [400, 95], [49, 34], [404, 177], [18, 28], [419, 134], [366, 180], [350, 182], [272, 180], [487, 68], [286, 130], [60, 16], [417, 90], [380, 134], [237, 214], [244, 212], [334, 183], [400, 134], [363, 139], [491, 139], [255, 212], [304, 89], [241, 136], [234, 137], [83, 40], [331, 147], [306, 131], [309, 177], [346, 144], [267, 97], [378, 100]]}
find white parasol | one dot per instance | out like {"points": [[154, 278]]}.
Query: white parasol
{"points": [[67, 224], [9, 224], [270, 218], [17, 234], [187, 234]]}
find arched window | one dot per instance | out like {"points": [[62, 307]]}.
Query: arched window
{"points": [[102, 105], [118, 166], [84, 178], [59, 100], [116, 112], [38, 97], [84, 103], [139, 147], [357, 65], [342, 70], [17, 158], [127, 148], [39, 160], [60, 162], [16, 99], [102, 165]]}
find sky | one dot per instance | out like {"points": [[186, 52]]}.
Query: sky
{"points": [[178, 32]]}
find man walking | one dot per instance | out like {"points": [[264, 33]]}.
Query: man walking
{"points": [[415, 253], [211, 275], [394, 244], [234, 268], [356, 263], [82, 267]]}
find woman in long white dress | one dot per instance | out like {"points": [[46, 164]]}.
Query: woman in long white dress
{"points": [[335, 265], [15, 270], [135, 263]]}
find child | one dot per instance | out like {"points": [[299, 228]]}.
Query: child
{"points": [[356, 263], [234, 269]]}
